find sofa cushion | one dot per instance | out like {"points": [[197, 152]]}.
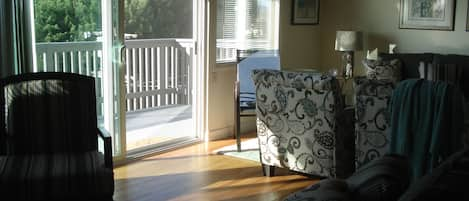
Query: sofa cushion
{"points": [[55, 177], [383, 69], [384, 179], [447, 181], [328, 189]]}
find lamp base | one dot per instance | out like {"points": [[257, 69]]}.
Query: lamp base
{"points": [[347, 58]]}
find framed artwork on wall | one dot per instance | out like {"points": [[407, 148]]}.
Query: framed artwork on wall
{"points": [[427, 14], [467, 17], [305, 12]]}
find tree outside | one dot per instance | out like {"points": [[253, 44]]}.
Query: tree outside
{"points": [[158, 18], [67, 20], [80, 20]]}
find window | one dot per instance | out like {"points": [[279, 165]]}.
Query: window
{"points": [[246, 25]]}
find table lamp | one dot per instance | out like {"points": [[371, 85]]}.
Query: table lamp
{"points": [[347, 42]]}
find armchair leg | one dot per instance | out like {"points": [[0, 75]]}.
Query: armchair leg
{"points": [[268, 170]]}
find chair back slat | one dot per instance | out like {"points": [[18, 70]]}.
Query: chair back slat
{"points": [[48, 113]]}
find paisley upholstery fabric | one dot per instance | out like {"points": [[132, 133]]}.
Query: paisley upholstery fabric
{"points": [[298, 115], [383, 69], [372, 126]]}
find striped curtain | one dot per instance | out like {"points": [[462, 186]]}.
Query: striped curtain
{"points": [[16, 40]]}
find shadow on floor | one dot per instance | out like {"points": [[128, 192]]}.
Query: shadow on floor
{"points": [[225, 184]]}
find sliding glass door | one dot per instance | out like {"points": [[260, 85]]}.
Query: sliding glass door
{"points": [[157, 67], [159, 72], [84, 37]]}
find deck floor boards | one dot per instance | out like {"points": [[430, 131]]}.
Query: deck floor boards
{"points": [[148, 127]]}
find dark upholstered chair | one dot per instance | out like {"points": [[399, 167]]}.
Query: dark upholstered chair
{"points": [[49, 139]]}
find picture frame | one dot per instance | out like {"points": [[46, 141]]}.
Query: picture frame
{"points": [[305, 12], [467, 18], [427, 14]]}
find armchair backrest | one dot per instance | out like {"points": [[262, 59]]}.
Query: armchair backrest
{"points": [[298, 118], [275, 87], [48, 113], [372, 119], [308, 80]]}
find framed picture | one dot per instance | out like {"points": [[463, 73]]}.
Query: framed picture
{"points": [[427, 14], [305, 12], [467, 17]]}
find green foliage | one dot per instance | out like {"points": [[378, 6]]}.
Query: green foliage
{"points": [[80, 20], [67, 20], [159, 18]]}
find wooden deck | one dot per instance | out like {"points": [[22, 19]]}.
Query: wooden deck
{"points": [[147, 127], [195, 173]]}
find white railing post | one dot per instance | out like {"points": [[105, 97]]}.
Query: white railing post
{"points": [[158, 71], [61, 57]]}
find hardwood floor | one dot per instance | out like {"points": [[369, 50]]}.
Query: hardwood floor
{"points": [[195, 173]]}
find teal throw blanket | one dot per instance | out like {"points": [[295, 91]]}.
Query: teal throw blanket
{"points": [[426, 123]]}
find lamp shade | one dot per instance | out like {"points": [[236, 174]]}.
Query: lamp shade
{"points": [[348, 41]]}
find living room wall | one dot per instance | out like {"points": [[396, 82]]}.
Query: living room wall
{"points": [[299, 44], [299, 48], [379, 21]]}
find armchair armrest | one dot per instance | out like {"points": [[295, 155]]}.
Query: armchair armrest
{"points": [[107, 147]]}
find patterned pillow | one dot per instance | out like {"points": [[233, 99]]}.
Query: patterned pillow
{"points": [[383, 69]]}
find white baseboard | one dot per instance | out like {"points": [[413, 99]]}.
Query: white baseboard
{"points": [[220, 133]]}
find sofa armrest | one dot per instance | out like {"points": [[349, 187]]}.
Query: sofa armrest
{"points": [[103, 134]]}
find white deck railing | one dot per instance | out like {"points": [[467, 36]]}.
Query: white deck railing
{"points": [[158, 72], [74, 57]]}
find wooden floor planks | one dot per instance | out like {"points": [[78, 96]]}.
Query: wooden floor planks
{"points": [[195, 173]]}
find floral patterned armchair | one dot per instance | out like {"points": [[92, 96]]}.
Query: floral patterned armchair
{"points": [[372, 123], [298, 118]]}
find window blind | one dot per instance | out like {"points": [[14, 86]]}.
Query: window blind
{"points": [[246, 25]]}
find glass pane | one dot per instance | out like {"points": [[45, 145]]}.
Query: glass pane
{"points": [[246, 25], [152, 19], [69, 37], [247, 33], [158, 79]]}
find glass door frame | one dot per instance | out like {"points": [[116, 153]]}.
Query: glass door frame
{"points": [[113, 65], [199, 83]]}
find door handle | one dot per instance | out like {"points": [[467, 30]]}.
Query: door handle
{"points": [[122, 54]]}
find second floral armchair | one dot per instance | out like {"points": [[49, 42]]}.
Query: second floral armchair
{"points": [[372, 122]]}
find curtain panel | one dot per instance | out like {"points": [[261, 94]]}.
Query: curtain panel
{"points": [[16, 42]]}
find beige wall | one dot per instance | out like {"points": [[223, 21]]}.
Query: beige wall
{"points": [[221, 102], [299, 44], [312, 46], [379, 20], [220, 87], [299, 48]]}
